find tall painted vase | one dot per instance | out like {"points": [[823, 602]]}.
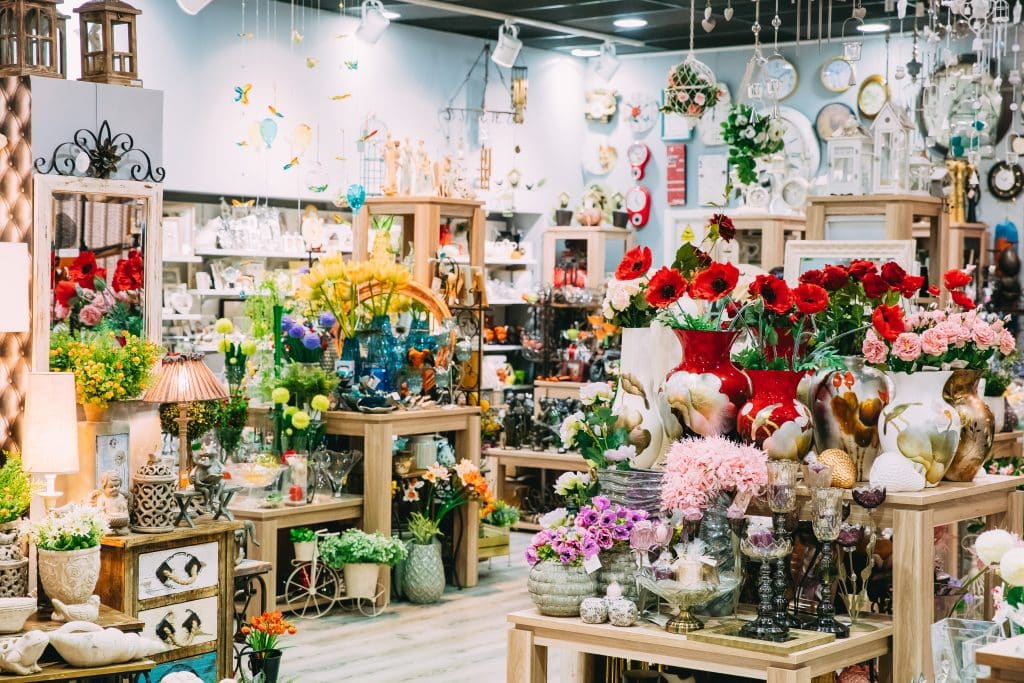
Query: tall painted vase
{"points": [[920, 423], [641, 370], [774, 418], [977, 429]]}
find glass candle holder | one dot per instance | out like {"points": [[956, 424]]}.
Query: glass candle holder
{"points": [[827, 509], [782, 476], [827, 512]]}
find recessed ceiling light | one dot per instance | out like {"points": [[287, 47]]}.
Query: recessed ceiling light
{"points": [[630, 22], [390, 15], [874, 27], [585, 52]]}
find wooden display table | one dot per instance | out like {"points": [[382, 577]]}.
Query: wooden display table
{"points": [[171, 577], [532, 634], [108, 618], [597, 250], [543, 388], [1008, 445], [542, 460], [421, 228], [1006, 658], [269, 521]]}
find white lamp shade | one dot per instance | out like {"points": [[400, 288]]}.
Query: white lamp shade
{"points": [[49, 428], [193, 6], [14, 277]]}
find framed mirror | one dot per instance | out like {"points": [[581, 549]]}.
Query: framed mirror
{"points": [[96, 258]]}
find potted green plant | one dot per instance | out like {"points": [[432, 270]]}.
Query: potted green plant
{"points": [[360, 555], [68, 541], [15, 498], [496, 522], [563, 214], [304, 543]]}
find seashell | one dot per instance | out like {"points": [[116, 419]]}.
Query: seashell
{"points": [[81, 643], [896, 473], [85, 611], [844, 472]]}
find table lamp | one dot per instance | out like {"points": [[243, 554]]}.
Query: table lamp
{"points": [[49, 443], [183, 379]]}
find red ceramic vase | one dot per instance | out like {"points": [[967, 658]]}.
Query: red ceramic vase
{"points": [[706, 390], [783, 346], [774, 418]]}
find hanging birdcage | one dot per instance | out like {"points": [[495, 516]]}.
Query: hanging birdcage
{"points": [[692, 89], [371, 155]]}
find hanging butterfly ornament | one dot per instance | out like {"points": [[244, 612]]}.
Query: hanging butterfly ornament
{"points": [[692, 89], [242, 93]]}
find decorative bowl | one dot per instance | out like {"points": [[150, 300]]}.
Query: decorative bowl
{"points": [[252, 475], [14, 612]]}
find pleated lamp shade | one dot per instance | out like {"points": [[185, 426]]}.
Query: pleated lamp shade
{"points": [[184, 378]]}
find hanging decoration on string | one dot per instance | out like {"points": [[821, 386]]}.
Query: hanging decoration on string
{"points": [[482, 113], [692, 88]]}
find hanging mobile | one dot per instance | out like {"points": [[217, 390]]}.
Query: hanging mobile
{"points": [[708, 23]]}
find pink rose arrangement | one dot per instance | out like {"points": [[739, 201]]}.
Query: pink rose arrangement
{"points": [[698, 469], [569, 545], [609, 525]]}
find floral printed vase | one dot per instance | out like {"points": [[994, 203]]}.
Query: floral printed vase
{"points": [[977, 425], [69, 575], [558, 590], [773, 418], [920, 424], [705, 391], [847, 405], [636, 399]]}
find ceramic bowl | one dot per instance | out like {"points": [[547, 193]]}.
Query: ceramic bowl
{"points": [[14, 612]]}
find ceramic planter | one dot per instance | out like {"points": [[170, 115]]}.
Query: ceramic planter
{"points": [[69, 576], [920, 424], [361, 580], [774, 418], [847, 405], [423, 579], [636, 400], [266, 665], [638, 489], [558, 590], [977, 425], [94, 413], [705, 391], [617, 566], [304, 550]]}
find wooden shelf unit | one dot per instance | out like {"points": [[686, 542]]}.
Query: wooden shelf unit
{"points": [[774, 229], [421, 224], [597, 240]]}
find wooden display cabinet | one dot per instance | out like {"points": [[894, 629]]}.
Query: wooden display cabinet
{"points": [[597, 250], [770, 232], [166, 580]]}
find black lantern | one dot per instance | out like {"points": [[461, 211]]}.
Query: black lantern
{"points": [[109, 45], [30, 38]]}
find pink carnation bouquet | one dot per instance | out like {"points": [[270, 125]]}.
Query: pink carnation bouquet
{"points": [[698, 469]]}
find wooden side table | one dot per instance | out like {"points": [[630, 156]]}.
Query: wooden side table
{"points": [[532, 634], [269, 521], [1008, 445], [542, 460], [1006, 659]]}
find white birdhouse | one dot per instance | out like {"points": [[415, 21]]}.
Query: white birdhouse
{"points": [[849, 160], [891, 132]]}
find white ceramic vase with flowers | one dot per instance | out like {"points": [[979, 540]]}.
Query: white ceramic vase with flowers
{"points": [[68, 541]]}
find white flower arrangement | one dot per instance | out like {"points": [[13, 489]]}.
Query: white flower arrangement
{"points": [[571, 426], [73, 527], [569, 482], [596, 392]]}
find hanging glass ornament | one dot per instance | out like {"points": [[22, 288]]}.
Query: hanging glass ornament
{"points": [[692, 88]]}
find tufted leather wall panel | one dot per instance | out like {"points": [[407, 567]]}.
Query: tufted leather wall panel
{"points": [[15, 226]]}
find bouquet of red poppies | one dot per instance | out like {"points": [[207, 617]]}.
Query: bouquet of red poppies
{"points": [[955, 336], [83, 299]]}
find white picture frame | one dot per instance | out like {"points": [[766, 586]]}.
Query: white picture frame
{"points": [[804, 255], [712, 178], [674, 127], [172, 237]]}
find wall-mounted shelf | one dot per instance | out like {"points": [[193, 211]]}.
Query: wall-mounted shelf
{"points": [[499, 348], [219, 293], [255, 253], [505, 302], [181, 317], [183, 259]]}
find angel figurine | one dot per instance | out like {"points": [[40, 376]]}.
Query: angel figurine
{"points": [[112, 501]]}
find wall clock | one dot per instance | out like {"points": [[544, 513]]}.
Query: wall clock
{"points": [[710, 125], [778, 68], [831, 118], [872, 96], [801, 146], [1017, 144], [1005, 180], [638, 205], [794, 193], [837, 74], [947, 107], [638, 155]]}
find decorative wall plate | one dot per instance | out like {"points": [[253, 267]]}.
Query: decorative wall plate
{"points": [[778, 68], [601, 104], [599, 155], [710, 125], [831, 118], [641, 112], [872, 96], [1005, 180], [947, 107], [837, 74]]}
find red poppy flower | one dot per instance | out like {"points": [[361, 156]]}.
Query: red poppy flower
{"points": [[888, 322], [956, 279], [912, 285], [810, 299], [933, 290], [714, 282], [962, 300], [635, 263], [774, 292], [64, 292], [128, 273], [835, 277], [893, 273], [665, 288], [858, 269], [726, 229], [874, 286], [85, 263], [813, 277]]}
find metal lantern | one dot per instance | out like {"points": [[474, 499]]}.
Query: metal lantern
{"points": [[849, 160], [109, 45], [30, 38], [891, 131]]}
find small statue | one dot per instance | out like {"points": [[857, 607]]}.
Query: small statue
{"points": [[85, 611], [243, 537], [112, 501], [207, 477], [391, 151], [406, 169], [21, 655], [443, 176], [423, 181]]}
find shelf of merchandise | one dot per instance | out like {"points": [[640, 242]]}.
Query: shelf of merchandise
{"points": [[502, 348], [181, 317], [256, 253], [501, 262], [219, 293], [507, 302], [597, 239], [183, 259]]}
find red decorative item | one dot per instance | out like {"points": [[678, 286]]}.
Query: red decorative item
{"points": [[706, 390], [675, 174], [638, 155], [296, 494], [774, 419], [638, 206]]}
